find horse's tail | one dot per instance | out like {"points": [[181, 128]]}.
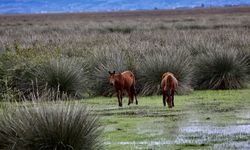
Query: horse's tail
{"points": [[169, 85]]}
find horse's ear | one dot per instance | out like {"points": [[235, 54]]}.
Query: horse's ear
{"points": [[174, 75], [164, 75], [113, 72], [110, 72]]}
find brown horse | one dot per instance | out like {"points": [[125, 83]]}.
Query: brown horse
{"points": [[123, 81], [168, 84]]}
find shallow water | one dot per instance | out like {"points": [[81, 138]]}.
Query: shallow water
{"points": [[197, 129], [235, 145], [213, 134], [232, 133], [149, 143], [228, 130]]}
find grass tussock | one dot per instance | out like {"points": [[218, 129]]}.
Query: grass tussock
{"points": [[49, 127], [151, 69], [220, 69], [62, 75]]}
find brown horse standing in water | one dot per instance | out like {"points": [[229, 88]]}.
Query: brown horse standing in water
{"points": [[168, 84], [123, 81]]}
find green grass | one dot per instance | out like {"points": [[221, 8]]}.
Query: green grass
{"points": [[135, 127]]}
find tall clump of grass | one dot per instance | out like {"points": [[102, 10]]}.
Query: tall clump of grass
{"points": [[102, 63], [220, 69], [153, 66], [2, 83], [49, 127], [62, 75], [17, 68], [246, 54]]}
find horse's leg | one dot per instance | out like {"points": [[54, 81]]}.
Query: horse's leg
{"points": [[136, 102], [119, 98], [164, 99], [121, 92], [173, 98], [129, 96], [134, 95], [169, 101]]}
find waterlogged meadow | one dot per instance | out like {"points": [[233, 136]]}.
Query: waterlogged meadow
{"points": [[201, 120], [56, 57]]}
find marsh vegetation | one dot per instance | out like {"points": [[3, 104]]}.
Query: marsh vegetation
{"points": [[43, 51], [50, 57]]}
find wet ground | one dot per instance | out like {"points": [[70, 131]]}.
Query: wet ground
{"points": [[202, 120], [223, 132]]}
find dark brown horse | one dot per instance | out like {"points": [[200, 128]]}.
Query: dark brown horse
{"points": [[123, 81], [168, 84]]}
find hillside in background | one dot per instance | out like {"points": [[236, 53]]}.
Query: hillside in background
{"points": [[56, 6]]}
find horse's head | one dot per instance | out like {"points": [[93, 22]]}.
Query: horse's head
{"points": [[112, 78], [168, 73]]}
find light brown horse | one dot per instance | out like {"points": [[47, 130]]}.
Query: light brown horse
{"points": [[123, 81], [169, 84]]}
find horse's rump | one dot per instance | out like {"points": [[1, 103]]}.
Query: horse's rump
{"points": [[169, 83], [129, 79]]}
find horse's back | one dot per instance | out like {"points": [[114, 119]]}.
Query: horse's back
{"points": [[128, 77], [169, 81], [128, 74]]}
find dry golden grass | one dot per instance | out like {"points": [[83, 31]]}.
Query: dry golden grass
{"points": [[80, 31]]}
